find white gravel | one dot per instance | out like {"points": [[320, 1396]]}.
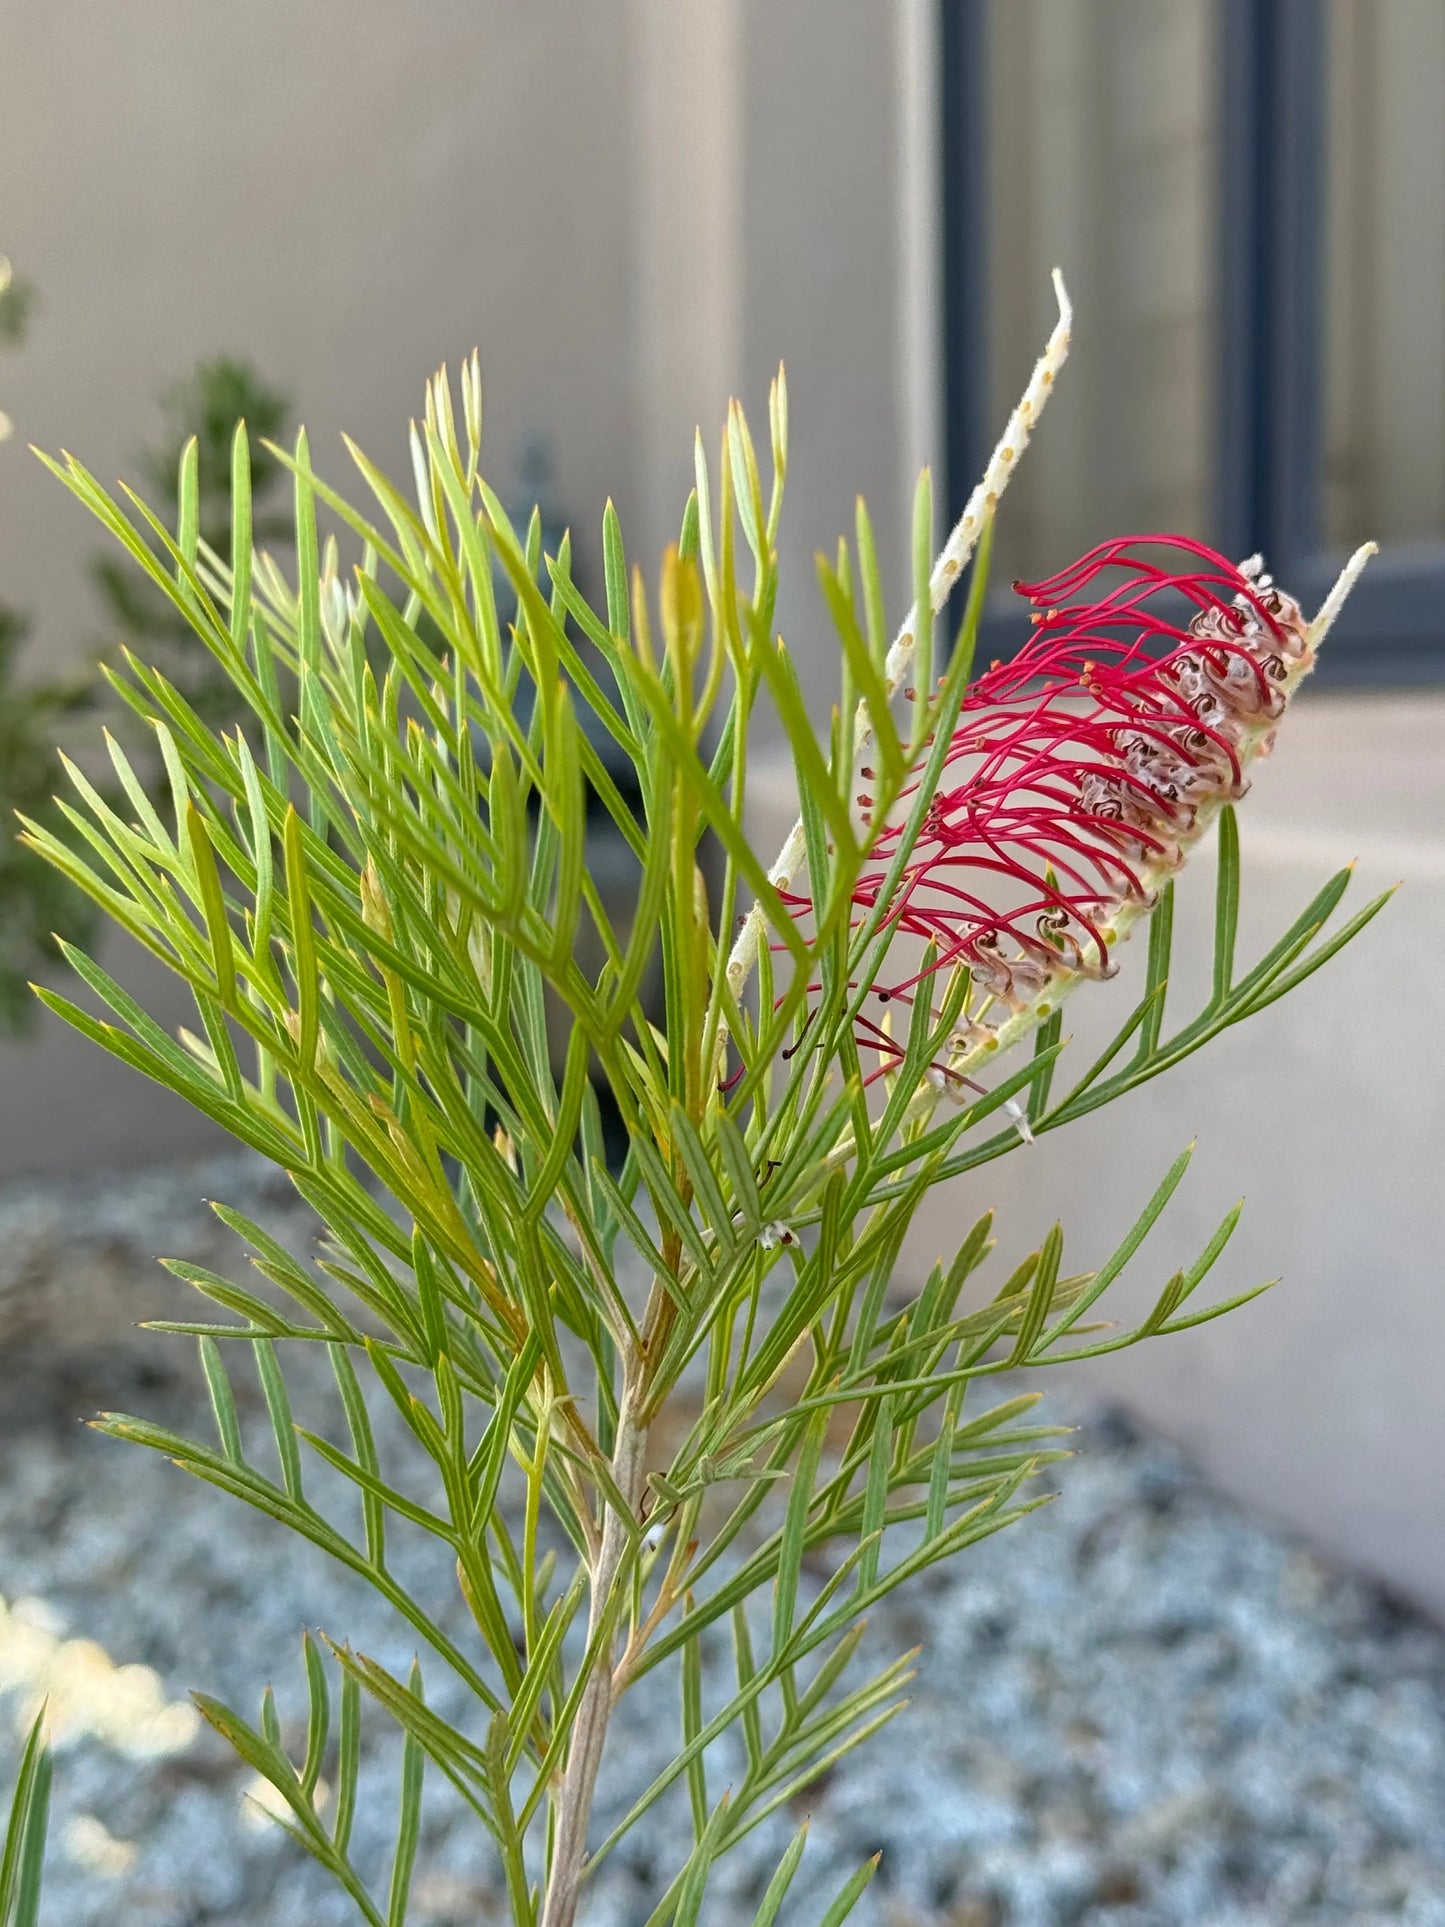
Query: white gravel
{"points": [[1141, 1707]]}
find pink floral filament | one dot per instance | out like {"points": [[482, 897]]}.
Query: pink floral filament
{"points": [[1078, 768]]}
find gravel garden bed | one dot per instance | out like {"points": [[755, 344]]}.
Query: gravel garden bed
{"points": [[1141, 1707]]}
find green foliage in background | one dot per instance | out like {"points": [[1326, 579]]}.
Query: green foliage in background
{"points": [[17, 302], [38, 907], [204, 409], [648, 1394]]}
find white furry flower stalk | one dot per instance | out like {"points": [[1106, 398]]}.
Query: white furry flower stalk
{"points": [[952, 561]]}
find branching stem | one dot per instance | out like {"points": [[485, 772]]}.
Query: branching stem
{"points": [[584, 1755]]}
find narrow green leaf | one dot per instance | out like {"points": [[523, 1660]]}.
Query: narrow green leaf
{"points": [[303, 942], [213, 903], [782, 1879], [1226, 907], [852, 1893], [614, 565], [923, 616], [308, 566], [223, 1404], [793, 1541], [692, 1723], [738, 1165], [1135, 1237], [241, 538], [1041, 1296], [318, 1715], [188, 504], [348, 1761], [408, 1833], [283, 1428], [22, 1862]]}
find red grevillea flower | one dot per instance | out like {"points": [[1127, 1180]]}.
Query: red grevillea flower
{"points": [[1078, 769]]}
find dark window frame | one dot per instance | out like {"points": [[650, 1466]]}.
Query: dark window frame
{"points": [[1270, 282]]}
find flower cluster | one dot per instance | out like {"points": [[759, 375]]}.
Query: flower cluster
{"points": [[1079, 769]]}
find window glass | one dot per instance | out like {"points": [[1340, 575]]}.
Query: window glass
{"points": [[1102, 160], [1384, 334]]}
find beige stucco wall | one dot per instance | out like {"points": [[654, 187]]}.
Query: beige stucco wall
{"points": [[768, 149], [823, 263], [349, 195]]}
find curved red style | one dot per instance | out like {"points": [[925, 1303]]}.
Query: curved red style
{"points": [[1078, 767]]}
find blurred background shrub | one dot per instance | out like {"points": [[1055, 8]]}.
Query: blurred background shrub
{"points": [[36, 905]]}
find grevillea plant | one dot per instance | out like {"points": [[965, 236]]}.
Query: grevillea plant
{"points": [[691, 1386]]}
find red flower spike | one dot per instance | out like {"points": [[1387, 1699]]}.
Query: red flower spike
{"points": [[1078, 768]]}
